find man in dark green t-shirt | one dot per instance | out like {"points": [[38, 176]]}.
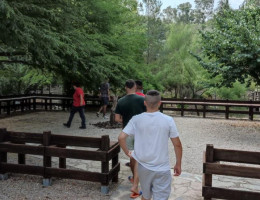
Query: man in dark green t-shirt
{"points": [[128, 106]]}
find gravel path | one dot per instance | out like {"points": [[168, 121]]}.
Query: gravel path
{"points": [[195, 133]]}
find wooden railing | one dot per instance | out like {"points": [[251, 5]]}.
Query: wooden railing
{"points": [[49, 145], [13, 104], [9, 105], [212, 165], [211, 106]]}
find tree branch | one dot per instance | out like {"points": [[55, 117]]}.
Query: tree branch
{"points": [[15, 61], [17, 53]]}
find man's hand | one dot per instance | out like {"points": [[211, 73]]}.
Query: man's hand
{"points": [[177, 170], [129, 154]]}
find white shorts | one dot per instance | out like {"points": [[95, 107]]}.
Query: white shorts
{"points": [[155, 184]]}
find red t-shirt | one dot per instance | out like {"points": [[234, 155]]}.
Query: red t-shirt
{"points": [[140, 94], [76, 97]]}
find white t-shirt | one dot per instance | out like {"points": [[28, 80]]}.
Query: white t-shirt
{"points": [[152, 132]]}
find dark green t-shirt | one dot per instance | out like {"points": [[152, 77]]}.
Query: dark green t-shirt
{"points": [[130, 105]]}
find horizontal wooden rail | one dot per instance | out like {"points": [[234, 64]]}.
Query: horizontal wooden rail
{"points": [[231, 170], [237, 156], [49, 145], [212, 166], [75, 154], [21, 148], [78, 141], [9, 105], [22, 169], [222, 193]]}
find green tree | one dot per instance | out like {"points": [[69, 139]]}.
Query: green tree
{"points": [[154, 29], [178, 70], [231, 46], [203, 11], [83, 40]]}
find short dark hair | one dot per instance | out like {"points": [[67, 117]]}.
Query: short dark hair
{"points": [[139, 84], [76, 83], [152, 98], [153, 93], [130, 83]]}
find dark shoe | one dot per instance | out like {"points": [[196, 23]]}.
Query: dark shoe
{"points": [[82, 127], [97, 114], [65, 124]]}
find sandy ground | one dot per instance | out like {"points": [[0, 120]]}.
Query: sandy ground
{"points": [[195, 133]]}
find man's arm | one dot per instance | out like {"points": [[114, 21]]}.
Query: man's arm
{"points": [[118, 118], [81, 99], [178, 153], [122, 142]]}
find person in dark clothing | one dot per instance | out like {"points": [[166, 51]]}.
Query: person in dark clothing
{"points": [[104, 95], [127, 107]]}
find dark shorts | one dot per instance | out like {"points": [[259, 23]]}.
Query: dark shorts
{"points": [[104, 100]]}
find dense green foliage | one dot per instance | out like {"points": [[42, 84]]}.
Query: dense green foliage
{"points": [[43, 43], [77, 39], [231, 46]]}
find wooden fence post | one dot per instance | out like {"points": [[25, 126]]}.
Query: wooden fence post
{"points": [[114, 163], [21, 157], [45, 104], [204, 111], [3, 155], [8, 108], [182, 110], [63, 104], [50, 103], [29, 104], [161, 108], [198, 113], [46, 159], [34, 103], [207, 178], [251, 113], [62, 161], [22, 105], [227, 112], [105, 143]]}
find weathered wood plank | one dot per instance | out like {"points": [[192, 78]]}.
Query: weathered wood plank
{"points": [[76, 154], [237, 156], [21, 137], [21, 148], [231, 170], [22, 169], [76, 141], [76, 174], [221, 193]]}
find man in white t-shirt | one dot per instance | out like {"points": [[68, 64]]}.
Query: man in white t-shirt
{"points": [[152, 130]]}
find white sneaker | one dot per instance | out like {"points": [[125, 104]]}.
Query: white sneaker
{"points": [[105, 117]]}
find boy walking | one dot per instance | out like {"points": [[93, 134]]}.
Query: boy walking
{"points": [[152, 131]]}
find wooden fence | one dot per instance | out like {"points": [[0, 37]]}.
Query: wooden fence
{"points": [[212, 165], [226, 107], [13, 104], [49, 145]]}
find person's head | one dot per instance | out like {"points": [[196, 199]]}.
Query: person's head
{"points": [[139, 85], [130, 85], [76, 84], [152, 99]]}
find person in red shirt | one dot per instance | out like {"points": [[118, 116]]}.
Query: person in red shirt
{"points": [[78, 106], [139, 88]]}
